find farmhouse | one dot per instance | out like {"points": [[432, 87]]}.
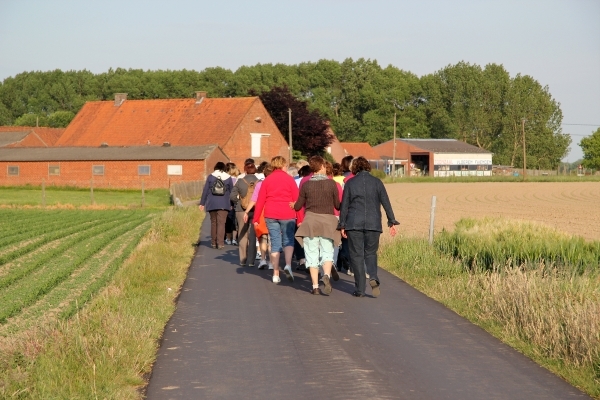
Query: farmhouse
{"points": [[436, 157], [117, 167], [159, 142]]}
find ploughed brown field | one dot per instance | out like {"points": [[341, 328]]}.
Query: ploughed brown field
{"points": [[571, 207]]}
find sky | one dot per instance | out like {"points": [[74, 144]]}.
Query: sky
{"points": [[557, 42]]}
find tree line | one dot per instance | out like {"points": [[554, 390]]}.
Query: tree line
{"points": [[358, 98]]}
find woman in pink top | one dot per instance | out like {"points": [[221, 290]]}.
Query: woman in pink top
{"points": [[277, 191]]}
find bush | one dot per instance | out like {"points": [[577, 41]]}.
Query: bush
{"points": [[378, 174]]}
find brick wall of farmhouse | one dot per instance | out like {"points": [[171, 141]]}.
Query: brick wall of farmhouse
{"points": [[117, 174], [257, 120]]}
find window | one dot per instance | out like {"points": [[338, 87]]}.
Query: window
{"points": [[174, 170], [53, 169], [255, 150], [97, 170], [13, 170], [143, 170]]}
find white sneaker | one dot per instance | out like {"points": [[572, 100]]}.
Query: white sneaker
{"points": [[367, 275], [271, 266], [234, 242], [287, 270], [262, 264], [227, 241], [258, 255], [276, 279]]}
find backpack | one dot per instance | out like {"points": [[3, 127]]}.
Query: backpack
{"points": [[218, 188], [244, 201]]}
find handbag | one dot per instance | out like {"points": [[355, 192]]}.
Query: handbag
{"points": [[261, 228]]}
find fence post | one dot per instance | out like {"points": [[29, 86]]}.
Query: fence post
{"points": [[143, 194], [92, 191], [43, 193], [432, 218]]}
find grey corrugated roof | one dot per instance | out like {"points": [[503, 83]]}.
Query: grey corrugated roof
{"points": [[445, 146], [7, 138], [107, 153]]}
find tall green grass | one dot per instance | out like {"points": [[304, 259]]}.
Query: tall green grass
{"points": [[494, 242], [550, 312]]}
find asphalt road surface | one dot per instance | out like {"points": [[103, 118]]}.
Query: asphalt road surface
{"points": [[236, 335]]}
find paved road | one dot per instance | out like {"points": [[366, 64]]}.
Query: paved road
{"points": [[237, 335]]}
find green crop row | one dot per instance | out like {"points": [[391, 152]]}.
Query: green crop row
{"points": [[13, 301], [490, 243], [87, 294], [37, 229], [78, 235]]}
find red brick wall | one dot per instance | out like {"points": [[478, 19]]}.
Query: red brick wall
{"points": [[117, 174], [239, 146]]}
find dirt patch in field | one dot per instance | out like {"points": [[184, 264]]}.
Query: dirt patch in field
{"points": [[571, 207]]}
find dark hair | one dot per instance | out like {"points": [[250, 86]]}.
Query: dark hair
{"points": [[346, 161], [328, 168], [261, 167], [249, 161], [229, 167], [249, 168], [220, 166], [337, 169], [268, 170], [360, 164], [316, 162], [304, 171]]}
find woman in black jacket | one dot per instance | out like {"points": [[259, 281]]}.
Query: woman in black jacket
{"points": [[360, 223]]}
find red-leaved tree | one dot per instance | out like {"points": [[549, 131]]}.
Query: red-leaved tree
{"points": [[309, 129]]}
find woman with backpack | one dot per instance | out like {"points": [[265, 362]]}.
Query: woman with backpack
{"points": [[240, 196], [216, 201]]}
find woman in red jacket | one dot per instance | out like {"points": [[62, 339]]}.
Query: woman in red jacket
{"points": [[278, 190]]}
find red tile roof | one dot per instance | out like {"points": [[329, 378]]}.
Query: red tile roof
{"points": [[27, 136], [181, 122], [360, 149]]}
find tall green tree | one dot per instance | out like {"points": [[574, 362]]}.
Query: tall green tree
{"points": [[591, 150]]}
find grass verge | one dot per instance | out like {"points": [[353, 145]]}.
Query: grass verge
{"points": [[553, 318], [106, 349]]}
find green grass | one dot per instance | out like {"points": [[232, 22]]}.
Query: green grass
{"points": [[105, 349], [77, 197], [550, 315]]}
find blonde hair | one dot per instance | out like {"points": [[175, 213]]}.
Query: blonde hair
{"points": [[278, 162]]}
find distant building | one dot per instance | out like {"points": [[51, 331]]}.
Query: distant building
{"points": [[159, 141], [436, 157]]}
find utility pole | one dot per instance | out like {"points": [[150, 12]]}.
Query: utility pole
{"points": [[524, 152], [393, 169], [290, 133]]}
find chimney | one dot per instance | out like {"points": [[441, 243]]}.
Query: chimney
{"points": [[120, 98], [200, 96]]}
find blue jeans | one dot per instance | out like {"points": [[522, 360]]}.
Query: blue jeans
{"points": [[281, 233]]}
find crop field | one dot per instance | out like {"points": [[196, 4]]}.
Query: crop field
{"points": [[571, 207], [53, 261]]}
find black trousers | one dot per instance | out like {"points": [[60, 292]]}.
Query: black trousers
{"points": [[363, 246]]}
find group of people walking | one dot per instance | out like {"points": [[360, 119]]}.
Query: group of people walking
{"points": [[333, 212]]}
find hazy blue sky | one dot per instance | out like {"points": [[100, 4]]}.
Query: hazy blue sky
{"points": [[555, 41]]}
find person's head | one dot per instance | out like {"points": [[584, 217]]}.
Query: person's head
{"points": [[292, 171], [304, 171], [346, 162], [261, 167], [328, 168], [249, 161], [316, 163], [337, 169], [249, 168], [278, 162], [268, 170], [220, 166], [232, 169], [301, 163], [360, 164]]}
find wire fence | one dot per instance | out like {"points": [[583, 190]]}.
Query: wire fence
{"points": [[185, 191]]}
